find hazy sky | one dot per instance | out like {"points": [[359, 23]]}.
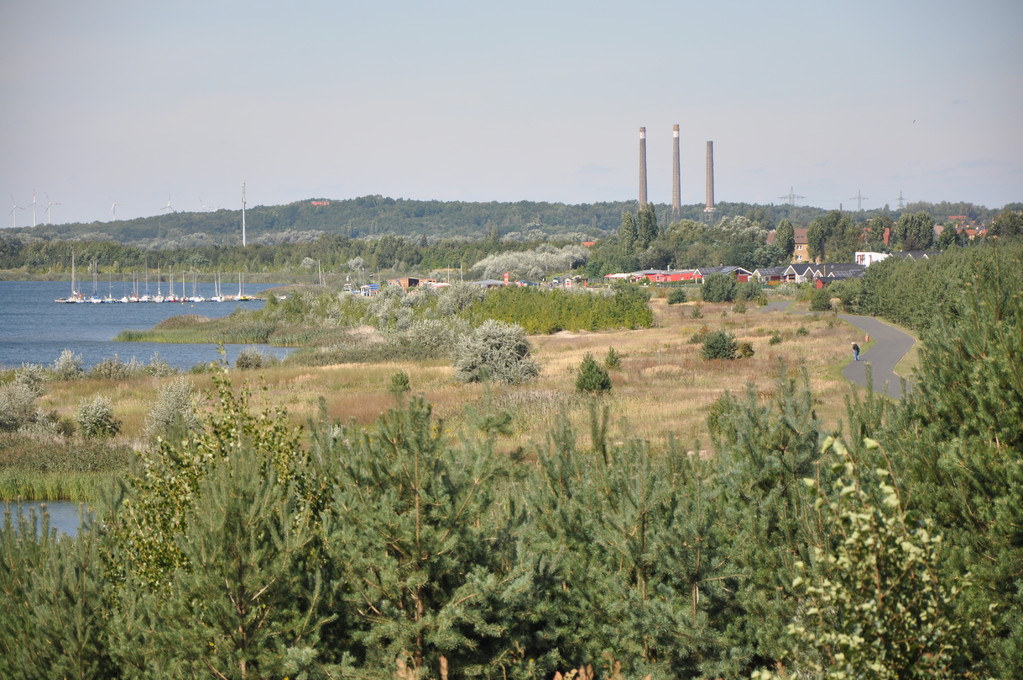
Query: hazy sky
{"points": [[141, 102]]}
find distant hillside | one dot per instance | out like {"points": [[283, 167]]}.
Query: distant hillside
{"points": [[370, 216]]}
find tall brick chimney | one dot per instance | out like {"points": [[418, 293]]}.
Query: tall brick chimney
{"points": [[710, 178], [676, 181], [642, 167]]}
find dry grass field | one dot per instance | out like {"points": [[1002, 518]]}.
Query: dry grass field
{"points": [[662, 389]]}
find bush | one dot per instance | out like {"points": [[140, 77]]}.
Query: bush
{"points": [[174, 410], [115, 369], [820, 300], [697, 312], [748, 291], [719, 345], [495, 351], [775, 339], [700, 335], [31, 376], [400, 383], [592, 377], [458, 298], [802, 331], [430, 338], [17, 406], [159, 368], [739, 307], [718, 288], [251, 358], [68, 366], [96, 418], [677, 296], [613, 359], [745, 350]]}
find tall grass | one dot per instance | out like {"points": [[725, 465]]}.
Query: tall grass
{"points": [[53, 486]]}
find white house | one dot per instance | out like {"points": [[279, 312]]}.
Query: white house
{"points": [[867, 258]]}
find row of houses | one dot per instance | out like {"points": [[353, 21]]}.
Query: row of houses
{"points": [[681, 275], [795, 273], [801, 242]]}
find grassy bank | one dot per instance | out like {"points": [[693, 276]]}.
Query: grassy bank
{"points": [[48, 466]]}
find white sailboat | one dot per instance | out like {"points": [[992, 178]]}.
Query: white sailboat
{"points": [[159, 287], [195, 293], [75, 296], [217, 296], [241, 293]]}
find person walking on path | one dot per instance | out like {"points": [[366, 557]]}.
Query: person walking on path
{"points": [[856, 352]]}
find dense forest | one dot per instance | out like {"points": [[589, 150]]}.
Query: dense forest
{"points": [[887, 547], [370, 216], [637, 241]]}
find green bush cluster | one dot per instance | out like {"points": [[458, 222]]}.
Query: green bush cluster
{"points": [[918, 293], [820, 300], [543, 311], [592, 377], [677, 296], [719, 345]]}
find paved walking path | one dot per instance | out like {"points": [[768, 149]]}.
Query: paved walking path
{"points": [[890, 345]]}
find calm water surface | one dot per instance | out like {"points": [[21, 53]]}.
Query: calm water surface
{"points": [[65, 516], [34, 329]]}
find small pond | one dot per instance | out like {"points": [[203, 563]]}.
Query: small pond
{"points": [[65, 516]]}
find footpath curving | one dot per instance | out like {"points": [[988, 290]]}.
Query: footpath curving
{"points": [[890, 345]]}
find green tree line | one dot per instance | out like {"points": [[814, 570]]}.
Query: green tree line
{"points": [[375, 216]]}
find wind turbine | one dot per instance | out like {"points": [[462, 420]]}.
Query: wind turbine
{"points": [[33, 205], [113, 211], [14, 217], [168, 206], [49, 205]]}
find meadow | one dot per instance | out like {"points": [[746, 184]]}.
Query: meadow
{"points": [[661, 390]]}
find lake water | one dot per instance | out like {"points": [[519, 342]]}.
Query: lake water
{"points": [[65, 516], [35, 329]]}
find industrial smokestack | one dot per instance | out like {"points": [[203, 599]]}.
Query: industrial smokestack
{"points": [[710, 178], [642, 168], [676, 182]]}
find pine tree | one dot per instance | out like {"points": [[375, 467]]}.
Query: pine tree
{"points": [[592, 377], [426, 550], [763, 452], [961, 437], [247, 601], [642, 580]]}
